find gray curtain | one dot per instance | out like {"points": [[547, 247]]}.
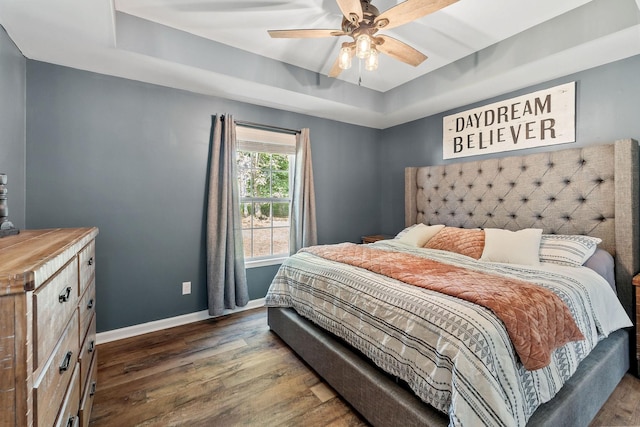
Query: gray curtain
{"points": [[226, 277], [303, 199]]}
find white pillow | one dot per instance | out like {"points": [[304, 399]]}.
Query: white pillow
{"points": [[404, 231], [513, 247], [419, 234], [566, 249]]}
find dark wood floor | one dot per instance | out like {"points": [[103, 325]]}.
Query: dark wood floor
{"points": [[233, 371]]}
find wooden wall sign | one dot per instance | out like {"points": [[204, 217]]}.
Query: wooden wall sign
{"points": [[538, 119]]}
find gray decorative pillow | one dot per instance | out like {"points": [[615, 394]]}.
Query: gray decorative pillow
{"points": [[567, 249], [602, 263]]}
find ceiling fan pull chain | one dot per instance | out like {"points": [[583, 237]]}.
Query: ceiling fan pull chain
{"points": [[359, 72]]}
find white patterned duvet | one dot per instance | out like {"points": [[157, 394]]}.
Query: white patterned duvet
{"points": [[455, 355]]}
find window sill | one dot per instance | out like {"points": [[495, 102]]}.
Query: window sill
{"points": [[264, 262]]}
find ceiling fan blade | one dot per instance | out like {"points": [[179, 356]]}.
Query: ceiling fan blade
{"points": [[351, 9], [399, 50], [305, 34], [335, 69], [408, 11]]}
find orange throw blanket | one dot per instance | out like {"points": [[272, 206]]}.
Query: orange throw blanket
{"points": [[536, 319]]}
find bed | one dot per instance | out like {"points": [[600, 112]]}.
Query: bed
{"points": [[591, 191]]}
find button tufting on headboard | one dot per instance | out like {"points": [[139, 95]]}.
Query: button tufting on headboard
{"points": [[562, 190]]}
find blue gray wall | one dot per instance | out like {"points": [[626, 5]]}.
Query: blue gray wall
{"points": [[607, 108], [12, 126], [131, 158]]}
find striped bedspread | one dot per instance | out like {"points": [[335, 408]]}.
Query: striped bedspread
{"points": [[454, 355]]}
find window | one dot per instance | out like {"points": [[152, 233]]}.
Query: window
{"points": [[265, 162]]}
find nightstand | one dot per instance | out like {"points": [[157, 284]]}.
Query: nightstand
{"points": [[375, 238]]}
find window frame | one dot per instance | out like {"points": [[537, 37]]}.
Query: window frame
{"points": [[263, 141]]}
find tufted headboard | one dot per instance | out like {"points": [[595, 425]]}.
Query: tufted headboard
{"points": [[591, 190]]}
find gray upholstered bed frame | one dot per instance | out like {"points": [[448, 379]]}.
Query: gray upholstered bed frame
{"points": [[591, 190]]}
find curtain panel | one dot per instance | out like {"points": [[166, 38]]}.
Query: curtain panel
{"points": [[303, 203], [226, 277]]}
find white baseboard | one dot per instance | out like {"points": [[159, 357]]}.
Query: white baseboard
{"points": [[157, 325]]}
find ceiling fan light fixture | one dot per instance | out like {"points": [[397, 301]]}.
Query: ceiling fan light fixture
{"points": [[344, 60], [371, 63], [363, 46]]}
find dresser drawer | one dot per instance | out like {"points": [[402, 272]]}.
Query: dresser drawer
{"points": [[87, 352], [87, 308], [68, 416], [89, 391], [49, 388], [54, 303], [87, 258]]}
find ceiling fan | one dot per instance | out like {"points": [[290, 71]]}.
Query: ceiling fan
{"points": [[361, 22]]}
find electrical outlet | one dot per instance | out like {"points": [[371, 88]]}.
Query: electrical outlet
{"points": [[186, 288]]}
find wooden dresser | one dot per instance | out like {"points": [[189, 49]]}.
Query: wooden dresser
{"points": [[47, 327]]}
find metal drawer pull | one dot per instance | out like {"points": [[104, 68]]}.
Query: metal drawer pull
{"points": [[90, 262], [92, 346], [90, 304], [66, 362], [93, 389], [70, 421], [64, 296]]}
